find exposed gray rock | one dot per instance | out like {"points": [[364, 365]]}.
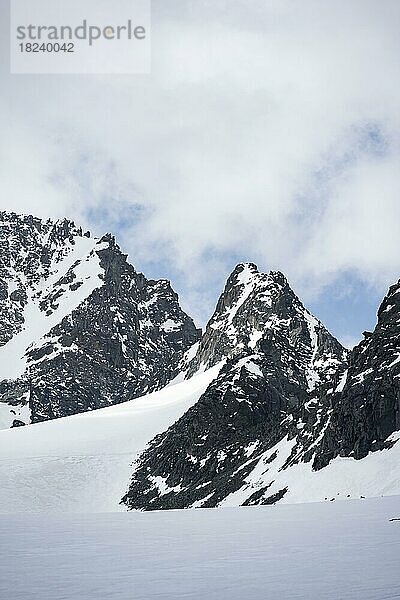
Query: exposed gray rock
{"points": [[276, 353], [109, 333], [284, 378], [366, 407]]}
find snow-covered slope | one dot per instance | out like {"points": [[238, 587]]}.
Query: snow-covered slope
{"points": [[331, 551], [33, 251], [83, 463], [81, 329]]}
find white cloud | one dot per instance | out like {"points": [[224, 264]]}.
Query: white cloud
{"points": [[253, 136]]}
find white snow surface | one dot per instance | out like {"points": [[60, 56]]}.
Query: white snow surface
{"points": [[83, 463], [170, 325], [8, 413], [311, 374], [328, 551]]}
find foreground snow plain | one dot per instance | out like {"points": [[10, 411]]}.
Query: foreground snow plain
{"points": [[331, 551]]}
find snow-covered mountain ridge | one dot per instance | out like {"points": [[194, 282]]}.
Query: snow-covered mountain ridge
{"points": [[266, 406], [81, 328]]}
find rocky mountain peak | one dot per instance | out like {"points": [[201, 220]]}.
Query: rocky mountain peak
{"points": [[389, 310], [258, 313], [281, 409], [275, 358], [82, 328]]}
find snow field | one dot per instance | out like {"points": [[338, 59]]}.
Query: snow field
{"points": [[330, 551]]}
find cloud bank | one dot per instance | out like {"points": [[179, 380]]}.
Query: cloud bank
{"points": [[267, 131]]}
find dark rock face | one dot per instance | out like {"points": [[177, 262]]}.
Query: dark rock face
{"points": [[125, 340], [276, 354], [287, 394], [108, 333], [206, 455], [259, 312], [366, 407]]}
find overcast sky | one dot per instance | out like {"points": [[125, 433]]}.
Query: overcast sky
{"points": [[267, 131]]}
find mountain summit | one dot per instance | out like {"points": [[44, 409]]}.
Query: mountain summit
{"points": [[81, 328], [275, 356], [258, 314]]}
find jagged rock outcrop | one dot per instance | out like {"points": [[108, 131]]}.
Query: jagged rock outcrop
{"points": [[259, 312], [286, 403], [366, 403], [81, 328], [28, 248], [276, 355]]}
